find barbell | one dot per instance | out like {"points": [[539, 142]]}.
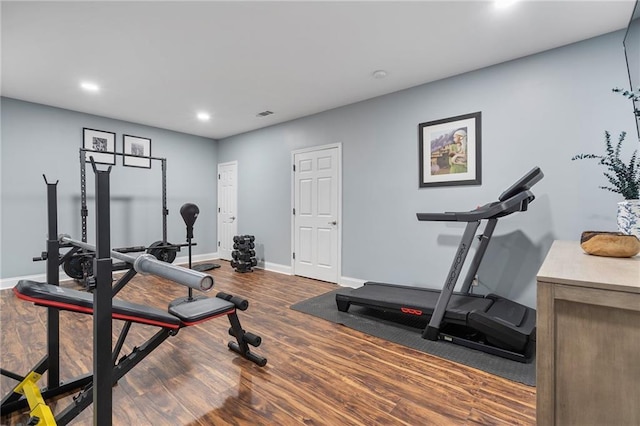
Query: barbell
{"points": [[148, 264]]}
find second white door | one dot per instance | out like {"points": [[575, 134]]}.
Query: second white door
{"points": [[316, 211], [227, 207]]}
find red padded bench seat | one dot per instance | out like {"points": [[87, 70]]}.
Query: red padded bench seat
{"points": [[182, 315]]}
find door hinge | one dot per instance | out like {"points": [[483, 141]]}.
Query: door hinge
{"points": [[218, 243], [294, 255], [218, 175], [294, 167], [294, 211], [218, 209]]}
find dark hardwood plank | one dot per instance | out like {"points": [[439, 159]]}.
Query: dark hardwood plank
{"points": [[319, 373]]}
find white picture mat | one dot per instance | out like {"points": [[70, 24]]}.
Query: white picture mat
{"points": [[103, 145], [136, 145], [432, 132]]}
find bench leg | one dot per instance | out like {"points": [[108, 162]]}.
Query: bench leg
{"points": [[243, 340]]}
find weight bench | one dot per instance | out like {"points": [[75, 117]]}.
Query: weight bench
{"points": [[170, 322], [178, 316]]}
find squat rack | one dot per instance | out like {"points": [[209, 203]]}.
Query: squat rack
{"points": [[97, 387], [84, 212]]}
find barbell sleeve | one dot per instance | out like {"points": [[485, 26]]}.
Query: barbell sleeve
{"points": [[148, 264]]}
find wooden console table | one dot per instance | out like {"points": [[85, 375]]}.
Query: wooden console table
{"points": [[588, 338]]}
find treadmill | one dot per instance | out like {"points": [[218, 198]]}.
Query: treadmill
{"points": [[489, 323]]}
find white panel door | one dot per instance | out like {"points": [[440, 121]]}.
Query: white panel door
{"points": [[227, 207], [316, 202]]}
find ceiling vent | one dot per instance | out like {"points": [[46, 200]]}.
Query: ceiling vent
{"points": [[264, 113]]}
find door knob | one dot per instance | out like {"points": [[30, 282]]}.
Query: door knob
{"points": [[232, 218], [335, 222]]}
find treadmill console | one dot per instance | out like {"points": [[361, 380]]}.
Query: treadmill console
{"points": [[523, 184]]}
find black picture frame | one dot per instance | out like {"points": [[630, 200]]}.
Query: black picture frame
{"points": [[100, 144], [137, 151], [450, 151]]}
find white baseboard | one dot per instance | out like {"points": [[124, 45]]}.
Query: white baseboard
{"points": [[351, 282], [275, 267], [6, 283], [288, 270], [184, 260]]}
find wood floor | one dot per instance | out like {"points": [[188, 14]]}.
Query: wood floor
{"points": [[318, 373]]}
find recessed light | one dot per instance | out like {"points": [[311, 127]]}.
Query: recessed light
{"points": [[502, 4], [379, 74], [203, 116], [89, 86]]}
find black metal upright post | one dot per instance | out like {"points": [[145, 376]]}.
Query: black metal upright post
{"points": [[165, 210], [84, 212], [190, 297], [102, 328], [53, 277]]}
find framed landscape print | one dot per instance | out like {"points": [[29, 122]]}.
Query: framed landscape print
{"points": [[449, 151]]}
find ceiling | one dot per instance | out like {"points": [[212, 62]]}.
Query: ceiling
{"points": [[159, 63]]}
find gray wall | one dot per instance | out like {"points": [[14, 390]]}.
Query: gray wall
{"points": [[536, 111], [38, 140]]}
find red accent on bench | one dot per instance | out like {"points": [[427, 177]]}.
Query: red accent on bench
{"points": [[75, 308]]}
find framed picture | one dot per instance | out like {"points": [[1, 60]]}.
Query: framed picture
{"points": [[137, 151], [450, 151], [102, 143]]}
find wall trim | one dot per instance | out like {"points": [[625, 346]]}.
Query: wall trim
{"points": [[351, 282], [184, 260], [288, 270], [7, 283], [275, 267]]}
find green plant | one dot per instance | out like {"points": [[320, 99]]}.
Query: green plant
{"points": [[632, 96], [624, 178]]}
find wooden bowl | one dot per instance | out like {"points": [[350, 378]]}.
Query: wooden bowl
{"points": [[610, 244]]}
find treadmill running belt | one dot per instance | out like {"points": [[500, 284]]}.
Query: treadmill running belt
{"points": [[413, 300]]}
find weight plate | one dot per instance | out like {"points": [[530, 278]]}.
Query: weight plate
{"points": [[164, 252], [76, 266]]}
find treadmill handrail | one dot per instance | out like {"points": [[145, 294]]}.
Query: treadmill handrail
{"points": [[518, 202], [524, 183]]}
